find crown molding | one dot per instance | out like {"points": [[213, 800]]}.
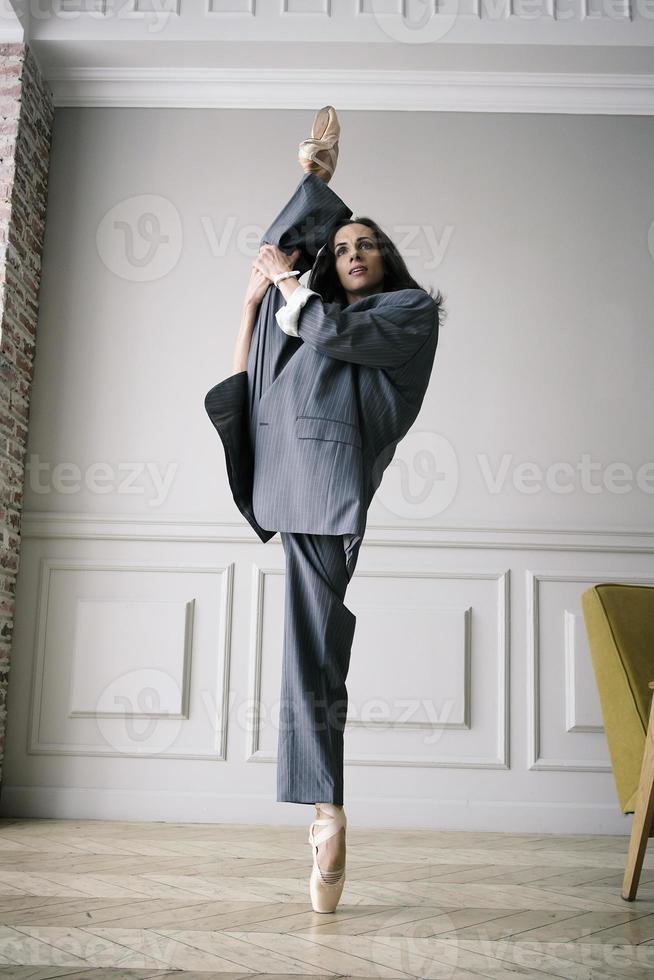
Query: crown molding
{"points": [[409, 91]]}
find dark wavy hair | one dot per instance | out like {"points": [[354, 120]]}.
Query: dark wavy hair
{"points": [[324, 278]]}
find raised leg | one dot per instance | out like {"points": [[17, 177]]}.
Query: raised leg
{"points": [[306, 219], [304, 222]]}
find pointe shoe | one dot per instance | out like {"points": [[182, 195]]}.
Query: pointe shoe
{"points": [[325, 887], [321, 148]]}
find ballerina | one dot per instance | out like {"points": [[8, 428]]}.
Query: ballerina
{"points": [[328, 378]]}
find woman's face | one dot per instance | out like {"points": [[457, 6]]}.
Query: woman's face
{"points": [[359, 264]]}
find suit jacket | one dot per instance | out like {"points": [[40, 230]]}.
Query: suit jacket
{"points": [[328, 425]]}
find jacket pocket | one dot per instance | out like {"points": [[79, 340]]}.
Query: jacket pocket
{"points": [[333, 430]]}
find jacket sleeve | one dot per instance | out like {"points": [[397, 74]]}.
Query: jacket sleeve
{"points": [[383, 330], [226, 406]]}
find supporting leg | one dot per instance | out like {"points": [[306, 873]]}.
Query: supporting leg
{"points": [[318, 634]]}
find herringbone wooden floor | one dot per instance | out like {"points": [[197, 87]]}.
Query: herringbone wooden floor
{"points": [[106, 899]]}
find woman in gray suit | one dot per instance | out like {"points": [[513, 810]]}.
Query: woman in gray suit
{"points": [[327, 379]]}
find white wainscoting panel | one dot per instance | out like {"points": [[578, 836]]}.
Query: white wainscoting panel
{"points": [[146, 670], [116, 647], [116, 640], [420, 693], [567, 731]]}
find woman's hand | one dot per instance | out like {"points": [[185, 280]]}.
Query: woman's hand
{"points": [[271, 260], [257, 287]]}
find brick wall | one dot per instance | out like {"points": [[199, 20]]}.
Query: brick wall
{"points": [[26, 116]]}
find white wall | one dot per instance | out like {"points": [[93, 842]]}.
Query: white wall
{"points": [[467, 596]]}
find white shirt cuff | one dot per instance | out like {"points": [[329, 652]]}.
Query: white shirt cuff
{"points": [[287, 316]]}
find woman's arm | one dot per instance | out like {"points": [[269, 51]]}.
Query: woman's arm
{"points": [[288, 286], [244, 338], [383, 330], [271, 260], [257, 288]]}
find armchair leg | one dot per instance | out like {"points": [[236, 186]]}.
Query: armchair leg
{"points": [[642, 822]]}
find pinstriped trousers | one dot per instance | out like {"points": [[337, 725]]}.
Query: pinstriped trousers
{"points": [[318, 634], [318, 627]]}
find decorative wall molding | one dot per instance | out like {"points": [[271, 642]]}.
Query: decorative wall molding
{"points": [[180, 802], [574, 690], [501, 758], [227, 8], [503, 610], [81, 7], [126, 527], [517, 21], [534, 580], [322, 7], [48, 567], [409, 91], [86, 605], [145, 8]]}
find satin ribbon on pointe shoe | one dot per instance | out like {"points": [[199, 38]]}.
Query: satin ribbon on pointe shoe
{"points": [[312, 150], [326, 887]]}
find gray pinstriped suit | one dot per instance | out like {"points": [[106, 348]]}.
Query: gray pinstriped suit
{"points": [[308, 430]]}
